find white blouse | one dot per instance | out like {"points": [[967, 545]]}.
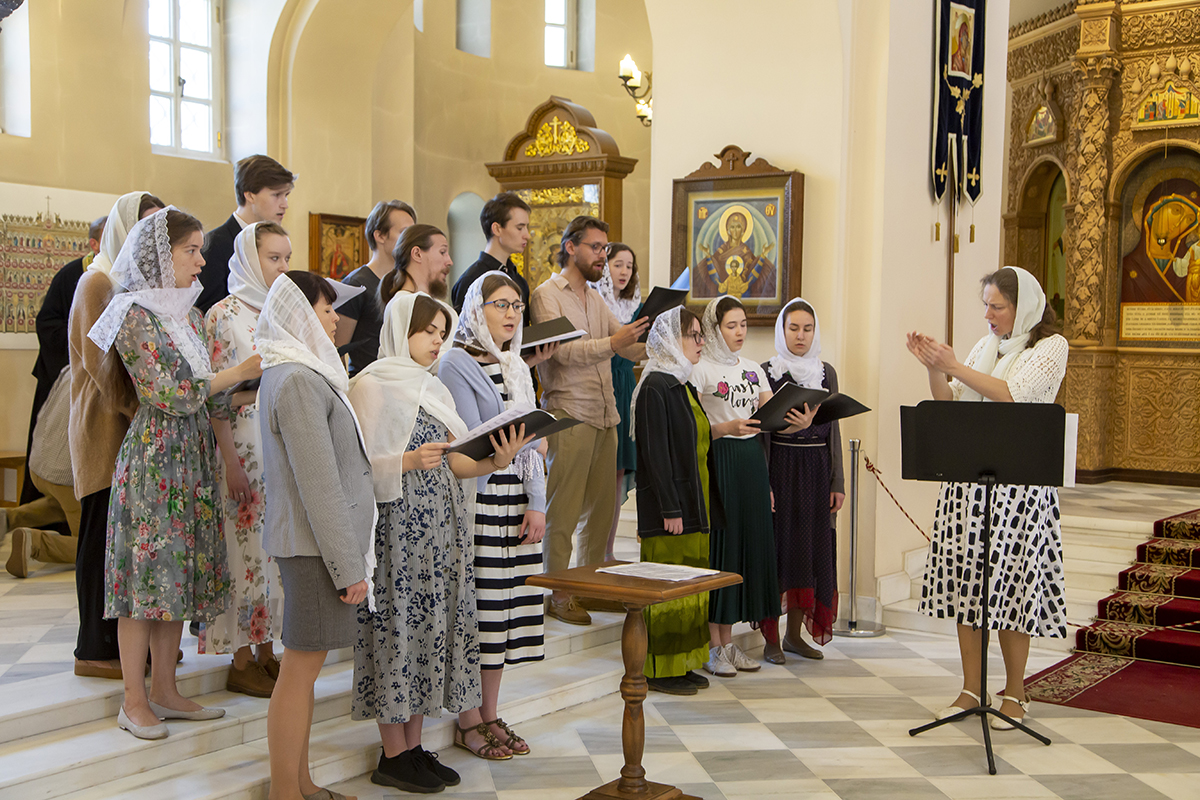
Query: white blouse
{"points": [[729, 392], [1036, 374]]}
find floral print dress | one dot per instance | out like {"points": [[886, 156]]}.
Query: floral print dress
{"points": [[418, 652], [255, 614], [165, 550]]}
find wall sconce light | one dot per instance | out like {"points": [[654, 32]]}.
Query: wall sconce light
{"points": [[638, 84]]}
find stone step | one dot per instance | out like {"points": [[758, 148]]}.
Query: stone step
{"points": [[82, 754]]}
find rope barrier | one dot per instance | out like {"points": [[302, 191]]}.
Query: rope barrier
{"points": [[874, 470]]}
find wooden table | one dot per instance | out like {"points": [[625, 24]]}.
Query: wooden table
{"points": [[635, 594]]}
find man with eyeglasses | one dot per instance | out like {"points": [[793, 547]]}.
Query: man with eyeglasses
{"points": [[577, 382]]}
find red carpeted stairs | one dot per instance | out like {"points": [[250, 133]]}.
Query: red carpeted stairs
{"points": [[1130, 652]]}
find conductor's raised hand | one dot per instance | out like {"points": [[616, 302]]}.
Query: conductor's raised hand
{"points": [[509, 444], [355, 593], [427, 456], [629, 334]]}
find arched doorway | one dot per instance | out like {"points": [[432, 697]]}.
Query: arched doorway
{"points": [[1036, 234], [465, 234]]}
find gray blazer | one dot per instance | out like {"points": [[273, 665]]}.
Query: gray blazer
{"points": [[318, 480], [477, 399]]}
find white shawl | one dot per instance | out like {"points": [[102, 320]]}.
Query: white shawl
{"points": [[120, 221], [999, 354], [246, 280], [665, 354], [807, 370]]}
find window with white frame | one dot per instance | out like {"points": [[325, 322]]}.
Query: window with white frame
{"points": [[561, 31], [185, 77]]}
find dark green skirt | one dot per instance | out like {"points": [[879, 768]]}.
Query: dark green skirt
{"points": [[677, 630], [746, 542]]}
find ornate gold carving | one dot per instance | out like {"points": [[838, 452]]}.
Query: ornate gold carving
{"points": [[1054, 15], [1157, 412], [1093, 34], [1043, 54], [557, 138], [555, 196], [1159, 29]]}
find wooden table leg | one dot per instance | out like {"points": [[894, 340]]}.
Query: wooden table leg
{"points": [[633, 692], [632, 783]]}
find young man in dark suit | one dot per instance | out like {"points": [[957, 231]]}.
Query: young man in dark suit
{"points": [[262, 186]]}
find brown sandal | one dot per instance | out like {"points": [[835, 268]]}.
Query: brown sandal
{"points": [[488, 751], [515, 743]]}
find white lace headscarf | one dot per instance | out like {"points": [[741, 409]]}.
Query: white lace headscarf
{"points": [[807, 370], [715, 349], [664, 349], [121, 219], [246, 281], [473, 331], [999, 354], [145, 274], [289, 330], [623, 309], [388, 393]]}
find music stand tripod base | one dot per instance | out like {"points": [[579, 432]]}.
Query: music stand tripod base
{"points": [[858, 629]]}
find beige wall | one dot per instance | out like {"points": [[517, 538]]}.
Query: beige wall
{"points": [[346, 93], [839, 90]]}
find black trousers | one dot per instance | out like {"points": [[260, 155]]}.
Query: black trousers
{"points": [[97, 636]]}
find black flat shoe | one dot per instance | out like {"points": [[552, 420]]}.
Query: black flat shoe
{"points": [[773, 653], [448, 776], [676, 685], [408, 772], [696, 679]]}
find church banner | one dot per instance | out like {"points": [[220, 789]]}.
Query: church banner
{"points": [[958, 98]]}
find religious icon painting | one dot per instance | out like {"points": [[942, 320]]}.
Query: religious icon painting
{"points": [[1160, 242], [337, 245], [737, 230]]}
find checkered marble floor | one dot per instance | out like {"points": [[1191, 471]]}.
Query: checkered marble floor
{"points": [[1139, 502], [838, 728]]}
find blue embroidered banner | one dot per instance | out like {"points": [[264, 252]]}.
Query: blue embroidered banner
{"points": [[958, 97]]}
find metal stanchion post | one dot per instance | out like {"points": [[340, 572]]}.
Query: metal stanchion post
{"points": [[853, 627]]}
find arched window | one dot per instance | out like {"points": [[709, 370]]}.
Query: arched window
{"points": [[473, 27], [16, 117], [466, 236], [570, 34], [185, 77]]}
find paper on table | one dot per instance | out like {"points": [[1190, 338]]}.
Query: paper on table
{"points": [[1070, 448], [658, 572]]}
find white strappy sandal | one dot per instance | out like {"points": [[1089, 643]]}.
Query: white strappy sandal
{"points": [[950, 711], [1000, 725]]}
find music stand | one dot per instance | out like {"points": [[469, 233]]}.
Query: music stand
{"points": [[986, 443]]}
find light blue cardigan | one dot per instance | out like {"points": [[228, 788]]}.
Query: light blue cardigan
{"points": [[477, 400]]}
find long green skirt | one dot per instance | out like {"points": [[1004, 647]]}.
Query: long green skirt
{"points": [[746, 542], [677, 630]]}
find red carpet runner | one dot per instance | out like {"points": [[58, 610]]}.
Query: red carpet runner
{"points": [[1131, 661]]}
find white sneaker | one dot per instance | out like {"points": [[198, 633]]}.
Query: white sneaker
{"points": [[740, 661], [718, 665]]}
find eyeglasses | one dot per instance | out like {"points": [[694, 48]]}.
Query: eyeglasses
{"points": [[698, 338], [597, 247], [503, 305]]}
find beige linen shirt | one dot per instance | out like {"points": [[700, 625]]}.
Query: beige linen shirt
{"points": [[578, 377]]}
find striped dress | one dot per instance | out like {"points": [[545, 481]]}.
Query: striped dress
{"points": [[510, 614]]}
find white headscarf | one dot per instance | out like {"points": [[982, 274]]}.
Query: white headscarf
{"points": [[121, 219], [623, 309], [665, 353], [246, 280], [473, 331], [289, 330], [145, 273], [388, 393], [999, 354], [807, 370], [715, 348]]}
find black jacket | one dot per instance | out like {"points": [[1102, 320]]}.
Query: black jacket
{"points": [[487, 263], [668, 473], [218, 249]]}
